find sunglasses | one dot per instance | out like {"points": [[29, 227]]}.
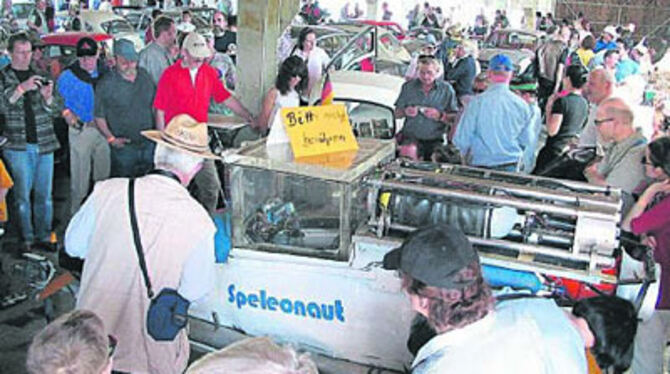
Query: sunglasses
{"points": [[111, 345], [427, 57], [646, 161], [599, 122]]}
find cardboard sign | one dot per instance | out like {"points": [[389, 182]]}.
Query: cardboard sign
{"points": [[318, 130]]}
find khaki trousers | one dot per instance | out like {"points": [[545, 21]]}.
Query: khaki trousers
{"points": [[89, 159]]}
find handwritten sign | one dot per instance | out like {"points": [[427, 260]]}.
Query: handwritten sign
{"points": [[318, 130]]}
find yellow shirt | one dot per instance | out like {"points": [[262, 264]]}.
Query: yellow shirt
{"points": [[6, 183], [585, 55]]}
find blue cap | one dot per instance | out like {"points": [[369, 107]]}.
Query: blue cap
{"points": [[500, 63], [126, 49]]}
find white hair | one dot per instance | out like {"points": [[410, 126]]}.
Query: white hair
{"points": [[171, 159], [254, 356]]}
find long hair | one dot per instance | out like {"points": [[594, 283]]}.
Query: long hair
{"points": [[659, 150], [303, 35], [451, 309], [293, 66], [613, 322]]}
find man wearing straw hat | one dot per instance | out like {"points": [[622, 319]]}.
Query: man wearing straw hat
{"points": [[179, 252]]}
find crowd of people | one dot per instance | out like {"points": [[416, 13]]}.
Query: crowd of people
{"points": [[138, 137]]}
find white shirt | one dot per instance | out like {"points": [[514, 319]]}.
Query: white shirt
{"points": [[524, 336], [316, 64]]}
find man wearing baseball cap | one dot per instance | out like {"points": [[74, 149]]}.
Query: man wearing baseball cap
{"points": [[442, 277], [494, 130], [607, 39], [89, 152], [176, 236], [187, 87], [123, 109]]}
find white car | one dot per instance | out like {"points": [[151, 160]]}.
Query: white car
{"points": [[112, 24]]}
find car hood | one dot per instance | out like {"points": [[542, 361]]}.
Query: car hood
{"points": [[516, 55], [381, 89]]}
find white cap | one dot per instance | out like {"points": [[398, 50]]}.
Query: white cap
{"points": [[611, 30]]}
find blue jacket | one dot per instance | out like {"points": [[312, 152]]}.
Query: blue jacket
{"points": [[77, 95]]}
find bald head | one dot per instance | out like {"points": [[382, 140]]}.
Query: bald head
{"points": [[616, 120], [618, 109], [600, 85]]}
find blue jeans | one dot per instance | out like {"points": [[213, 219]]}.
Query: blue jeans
{"points": [[32, 172], [132, 160]]}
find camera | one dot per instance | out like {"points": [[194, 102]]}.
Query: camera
{"points": [[41, 81]]}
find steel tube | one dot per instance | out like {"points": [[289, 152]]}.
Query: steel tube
{"points": [[500, 200]]}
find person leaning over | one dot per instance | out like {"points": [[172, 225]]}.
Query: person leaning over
{"points": [[74, 343], [177, 237], [442, 277]]}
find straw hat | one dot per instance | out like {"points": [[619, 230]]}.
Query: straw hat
{"points": [[184, 134]]}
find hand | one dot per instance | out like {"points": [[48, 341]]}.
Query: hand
{"points": [[411, 111], [431, 113], [653, 189], [30, 83], [47, 90], [649, 240], [70, 118], [119, 142]]}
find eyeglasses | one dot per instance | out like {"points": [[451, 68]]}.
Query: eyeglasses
{"points": [[599, 122], [111, 345], [646, 161], [427, 57]]}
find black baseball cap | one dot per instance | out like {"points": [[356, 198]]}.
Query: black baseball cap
{"points": [[434, 256], [86, 47]]}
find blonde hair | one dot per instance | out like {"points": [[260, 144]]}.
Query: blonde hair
{"points": [[74, 343], [254, 356]]}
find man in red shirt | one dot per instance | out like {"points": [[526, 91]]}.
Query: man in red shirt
{"points": [[187, 87]]}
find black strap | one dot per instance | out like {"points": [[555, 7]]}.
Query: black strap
{"points": [[136, 236]]}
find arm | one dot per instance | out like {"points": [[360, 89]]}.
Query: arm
{"points": [[594, 176], [654, 218], [466, 127], [160, 119], [239, 109], [554, 115], [107, 133], [559, 76], [80, 229], [266, 110], [198, 273]]}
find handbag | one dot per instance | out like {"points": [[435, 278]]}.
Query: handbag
{"points": [[168, 312]]}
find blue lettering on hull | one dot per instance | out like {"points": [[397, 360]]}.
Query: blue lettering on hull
{"points": [[261, 300]]}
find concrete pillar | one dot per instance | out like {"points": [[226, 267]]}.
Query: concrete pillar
{"points": [[372, 9], [259, 27]]}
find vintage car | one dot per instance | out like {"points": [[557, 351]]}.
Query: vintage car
{"points": [[112, 24], [60, 48], [519, 45], [139, 17], [365, 48], [21, 10]]}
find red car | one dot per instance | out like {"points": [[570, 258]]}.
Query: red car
{"points": [[59, 48]]}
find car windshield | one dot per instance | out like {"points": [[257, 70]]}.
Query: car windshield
{"points": [[116, 27], [22, 10], [511, 40]]}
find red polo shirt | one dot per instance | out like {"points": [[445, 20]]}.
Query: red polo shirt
{"points": [[176, 93]]}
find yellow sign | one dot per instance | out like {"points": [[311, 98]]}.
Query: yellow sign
{"points": [[318, 130]]}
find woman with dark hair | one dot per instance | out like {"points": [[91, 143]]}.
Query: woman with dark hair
{"points": [[565, 117], [650, 218], [290, 83], [314, 57]]}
